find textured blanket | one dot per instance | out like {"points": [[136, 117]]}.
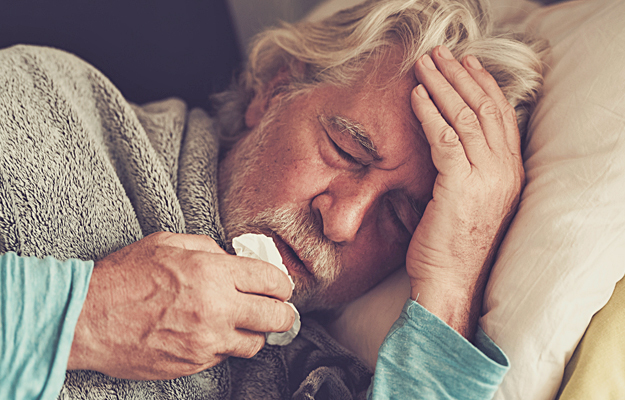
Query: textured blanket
{"points": [[84, 173]]}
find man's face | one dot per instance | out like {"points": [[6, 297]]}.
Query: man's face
{"points": [[338, 177]]}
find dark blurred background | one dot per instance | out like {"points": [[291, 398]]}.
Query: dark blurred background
{"points": [[149, 49], [152, 49]]}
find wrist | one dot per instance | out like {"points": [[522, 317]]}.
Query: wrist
{"points": [[83, 352], [457, 306], [78, 354]]}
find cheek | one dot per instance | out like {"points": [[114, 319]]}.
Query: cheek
{"points": [[270, 169], [297, 174], [367, 265]]}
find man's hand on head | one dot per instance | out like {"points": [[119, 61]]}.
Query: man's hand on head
{"points": [[475, 146], [173, 304]]}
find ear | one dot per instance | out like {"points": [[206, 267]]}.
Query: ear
{"points": [[256, 110], [262, 100]]}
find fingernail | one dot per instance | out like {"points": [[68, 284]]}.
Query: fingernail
{"points": [[422, 92], [427, 61], [445, 53], [473, 63]]}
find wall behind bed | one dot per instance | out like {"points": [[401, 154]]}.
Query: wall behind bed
{"points": [[149, 49], [251, 16]]}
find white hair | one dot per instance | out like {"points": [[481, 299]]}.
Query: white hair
{"points": [[336, 49]]}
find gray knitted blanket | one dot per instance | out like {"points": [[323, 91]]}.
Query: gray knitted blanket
{"points": [[84, 173]]}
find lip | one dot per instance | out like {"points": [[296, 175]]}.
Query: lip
{"points": [[289, 257]]}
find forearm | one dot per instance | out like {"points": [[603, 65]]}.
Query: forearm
{"points": [[41, 302], [457, 300], [457, 303]]}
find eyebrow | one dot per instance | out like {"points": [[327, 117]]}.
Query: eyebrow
{"points": [[357, 132]]}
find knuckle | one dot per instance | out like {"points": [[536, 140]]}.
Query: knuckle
{"points": [[163, 238], [212, 361], [488, 109], [197, 261], [254, 343], [227, 346], [163, 255], [466, 117], [274, 315], [225, 341], [509, 114], [285, 318], [237, 315], [447, 92], [460, 75], [512, 183], [448, 136], [431, 120], [212, 244], [271, 281]]}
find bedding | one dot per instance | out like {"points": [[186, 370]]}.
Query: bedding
{"points": [[597, 369], [562, 255]]}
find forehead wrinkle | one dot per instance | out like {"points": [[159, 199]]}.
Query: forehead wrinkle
{"points": [[357, 132]]}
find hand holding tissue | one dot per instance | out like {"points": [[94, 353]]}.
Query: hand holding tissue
{"points": [[263, 248]]}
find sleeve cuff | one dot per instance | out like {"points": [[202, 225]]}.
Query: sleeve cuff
{"points": [[483, 355], [424, 358], [41, 303]]}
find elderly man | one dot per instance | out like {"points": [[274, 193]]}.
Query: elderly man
{"points": [[359, 144]]}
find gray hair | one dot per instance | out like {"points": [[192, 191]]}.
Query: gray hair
{"points": [[335, 50]]}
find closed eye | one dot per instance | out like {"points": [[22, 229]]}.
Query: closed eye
{"points": [[343, 154], [349, 140]]}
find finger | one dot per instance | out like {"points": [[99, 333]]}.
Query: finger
{"points": [[454, 109], [448, 154], [245, 344], [259, 277], [485, 108], [263, 314], [492, 89], [187, 241]]}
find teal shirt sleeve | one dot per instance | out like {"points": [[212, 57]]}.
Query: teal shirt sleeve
{"points": [[424, 358], [40, 304]]}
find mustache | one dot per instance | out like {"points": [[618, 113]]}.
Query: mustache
{"points": [[304, 233]]}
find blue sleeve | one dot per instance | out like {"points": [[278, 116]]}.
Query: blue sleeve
{"points": [[424, 358], [40, 304]]}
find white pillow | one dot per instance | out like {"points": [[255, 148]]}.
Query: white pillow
{"points": [[565, 249], [565, 252]]}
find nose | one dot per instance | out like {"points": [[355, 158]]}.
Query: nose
{"points": [[344, 207]]}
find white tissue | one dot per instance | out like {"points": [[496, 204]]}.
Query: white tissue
{"points": [[263, 248]]}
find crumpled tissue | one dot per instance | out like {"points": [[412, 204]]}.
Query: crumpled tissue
{"points": [[263, 248]]}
